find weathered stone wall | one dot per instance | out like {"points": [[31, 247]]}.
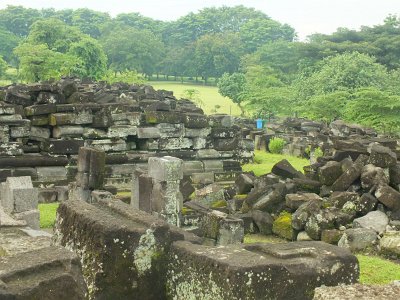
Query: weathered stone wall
{"points": [[43, 125]]}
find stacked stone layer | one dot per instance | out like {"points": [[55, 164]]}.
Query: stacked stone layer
{"points": [[43, 125]]}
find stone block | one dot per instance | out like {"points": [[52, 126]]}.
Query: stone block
{"points": [[190, 167], [11, 149], [94, 133], [83, 117], [286, 170], [141, 192], [31, 217], [195, 121], [46, 273], [165, 168], [39, 120], [199, 143], [107, 145], [375, 220], [390, 244], [197, 132], [148, 133], [263, 220], [208, 154], [388, 196], [175, 143], [225, 144], [213, 166], [372, 176], [347, 178], [39, 133], [294, 201], [358, 239], [50, 98], [218, 273], [381, 156], [51, 174], [122, 131], [202, 178], [330, 172], [43, 109], [157, 117], [25, 199], [126, 246], [67, 131], [171, 130], [244, 183], [221, 121], [366, 203], [331, 236], [20, 132]]}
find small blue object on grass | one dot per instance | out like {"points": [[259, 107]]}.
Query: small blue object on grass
{"points": [[260, 123]]}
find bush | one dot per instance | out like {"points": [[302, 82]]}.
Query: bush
{"points": [[276, 145]]}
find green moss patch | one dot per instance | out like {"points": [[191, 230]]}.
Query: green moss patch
{"points": [[282, 226]]}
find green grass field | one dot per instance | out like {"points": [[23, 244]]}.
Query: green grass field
{"points": [[264, 161], [47, 214], [208, 94]]}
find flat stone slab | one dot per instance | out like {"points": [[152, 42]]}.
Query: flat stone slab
{"points": [[257, 271], [359, 292], [47, 273]]}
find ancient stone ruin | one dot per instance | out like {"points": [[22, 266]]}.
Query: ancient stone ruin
{"points": [[180, 235]]}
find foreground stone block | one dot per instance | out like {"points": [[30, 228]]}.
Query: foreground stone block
{"points": [[122, 250], [257, 271], [48, 273]]}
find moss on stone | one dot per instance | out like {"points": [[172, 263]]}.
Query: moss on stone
{"points": [[240, 196], [282, 226], [218, 204]]}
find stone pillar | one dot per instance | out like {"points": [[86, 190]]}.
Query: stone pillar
{"points": [[166, 199], [90, 176]]}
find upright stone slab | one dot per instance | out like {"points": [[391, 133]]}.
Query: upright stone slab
{"points": [[123, 250]]}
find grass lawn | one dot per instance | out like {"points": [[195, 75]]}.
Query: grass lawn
{"points": [[264, 161], [47, 214], [208, 94]]}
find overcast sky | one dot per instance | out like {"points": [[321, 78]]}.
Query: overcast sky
{"points": [[306, 16]]}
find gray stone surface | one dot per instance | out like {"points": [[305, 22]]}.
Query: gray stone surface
{"points": [[375, 220], [165, 168], [358, 239]]}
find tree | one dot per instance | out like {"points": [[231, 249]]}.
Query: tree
{"points": [[92, 56], [8, 42], [233, 86], [345, 72], [40, 63], [374, 108], [216, 54], [89, 21], [258, 32], [18, 19], [132, 49], [53, 49], [54, 33], [3, 67]]}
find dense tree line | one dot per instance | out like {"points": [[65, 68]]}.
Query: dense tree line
{"points": [[259, 63]]}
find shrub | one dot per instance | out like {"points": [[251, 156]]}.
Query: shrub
{"points": [[276, 145]]}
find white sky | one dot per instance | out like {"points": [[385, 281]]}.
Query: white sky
{"points": [[306, 16]]}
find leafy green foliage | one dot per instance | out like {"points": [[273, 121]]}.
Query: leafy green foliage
{"points": [[193, 95], [232, 86], [276, 145], [374, 108], [129, 77], [3, 67]]}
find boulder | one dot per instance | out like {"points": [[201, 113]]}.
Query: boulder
{"points": [[390, 244], [282, 226], [372, 176], [381, 156], [263, 220], [301, 215], [285, 170], [358, 239], [294, 201], [330, 172], [244, 184], [389, 197], [375, 220]]}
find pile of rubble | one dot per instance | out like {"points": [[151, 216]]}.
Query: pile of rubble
{"points": [[350, 198], [43, 125]]}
